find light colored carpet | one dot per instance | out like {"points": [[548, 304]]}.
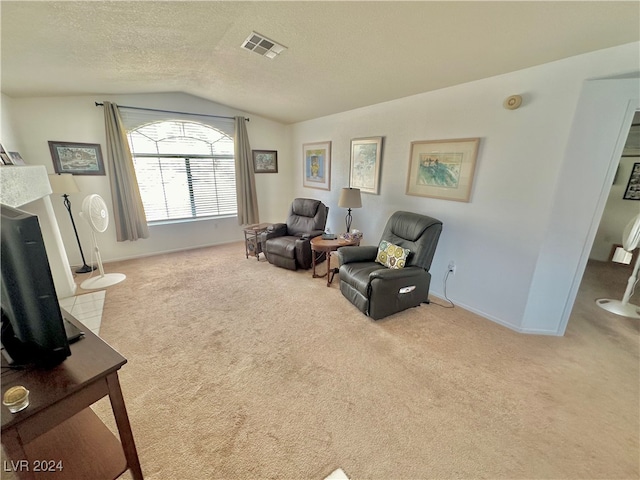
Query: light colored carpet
{"points": [[239, 369], [242, 370]]}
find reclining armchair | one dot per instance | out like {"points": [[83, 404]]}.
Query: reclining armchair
{"points": [[288, 244], [393, 276]]}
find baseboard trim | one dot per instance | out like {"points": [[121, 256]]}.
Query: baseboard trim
{"points": [[164, 252], [499, 321]]}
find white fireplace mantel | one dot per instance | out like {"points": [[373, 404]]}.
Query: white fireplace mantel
{"points": [[20, 185], [27, 187]]}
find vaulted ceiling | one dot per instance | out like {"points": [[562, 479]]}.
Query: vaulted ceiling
{"points": [[340, 55]]}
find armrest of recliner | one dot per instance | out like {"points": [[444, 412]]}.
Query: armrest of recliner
{"points": [[406, 273], [275, 230], [366, 253], [392, 290], [310, 235]]}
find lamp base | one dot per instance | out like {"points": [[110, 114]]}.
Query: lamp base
{"points": [[619, 308], [347, 220], [85, 269]]}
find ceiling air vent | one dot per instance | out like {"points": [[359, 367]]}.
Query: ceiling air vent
{"points": [[263, 46]]}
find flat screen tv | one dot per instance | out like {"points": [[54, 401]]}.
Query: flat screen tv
{"points": [[32, 326]]}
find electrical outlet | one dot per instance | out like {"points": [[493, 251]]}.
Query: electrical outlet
{"points": [[452, 267]]}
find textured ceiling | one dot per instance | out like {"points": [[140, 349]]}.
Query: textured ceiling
{"points": [[341, 55]]}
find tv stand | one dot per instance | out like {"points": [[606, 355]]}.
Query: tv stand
{"points": [[58, 436]]}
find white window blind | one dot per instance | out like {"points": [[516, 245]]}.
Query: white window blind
{"points": [[185, 169]]}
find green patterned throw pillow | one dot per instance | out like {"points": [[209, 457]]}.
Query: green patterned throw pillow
{"points": [[392, 256]]}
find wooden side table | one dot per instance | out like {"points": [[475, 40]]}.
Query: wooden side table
{"points": [[318, 245], [252, 243], [58, 436]]}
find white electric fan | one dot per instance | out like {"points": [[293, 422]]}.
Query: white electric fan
{"points": [[94, 211], [630, 241]]}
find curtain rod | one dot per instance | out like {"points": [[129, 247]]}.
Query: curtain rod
{"points": [[169, 111]]}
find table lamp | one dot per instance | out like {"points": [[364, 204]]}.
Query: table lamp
{"points": [[65, 184], [349, 198]]}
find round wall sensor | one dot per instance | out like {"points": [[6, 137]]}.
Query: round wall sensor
{"points": [[512, 102]]}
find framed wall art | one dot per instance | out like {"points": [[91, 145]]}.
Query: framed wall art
{"points": [[4, 156], [366, 154], [77, 158], [265, 161], [442, 168], [317, 165], [16, 158], [632, 192]]}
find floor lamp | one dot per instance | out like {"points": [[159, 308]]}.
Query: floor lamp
{"points": [[64, 184], [349, 198]]}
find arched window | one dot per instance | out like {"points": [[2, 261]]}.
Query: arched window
{"points": [[185, 170]]}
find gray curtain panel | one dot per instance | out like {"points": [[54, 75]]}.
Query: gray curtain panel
{"points": [[128, 211], [245, 178]]}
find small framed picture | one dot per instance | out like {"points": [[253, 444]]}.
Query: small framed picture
{"points": [[265, 161], [16, 158], [316, 159], [77, 158]]}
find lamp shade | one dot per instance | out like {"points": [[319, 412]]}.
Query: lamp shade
{"points": [[350, 198], [63, 183]]}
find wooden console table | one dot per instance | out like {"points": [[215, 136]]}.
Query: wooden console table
{"points": [[58, 436]]}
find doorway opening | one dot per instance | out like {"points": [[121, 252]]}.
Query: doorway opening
{"points": [[609, 267]]}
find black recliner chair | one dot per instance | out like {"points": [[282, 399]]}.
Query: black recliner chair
{"points": [[288, 244], [379, 291]]}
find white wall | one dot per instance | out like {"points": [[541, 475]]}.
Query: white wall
{"points": [[77, 119], [496, 238], [7, 133], [503, 240]]}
